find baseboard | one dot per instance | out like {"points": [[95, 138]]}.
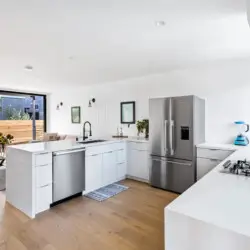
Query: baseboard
{"points": [[137, 179]]}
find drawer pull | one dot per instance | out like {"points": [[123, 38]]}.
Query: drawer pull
{"points": [[109, 152], [94, 155]]}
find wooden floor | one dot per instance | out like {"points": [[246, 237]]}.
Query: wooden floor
{"points": [[134, 219]]}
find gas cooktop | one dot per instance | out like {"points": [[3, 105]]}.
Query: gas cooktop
{"points": [[238, 167]]}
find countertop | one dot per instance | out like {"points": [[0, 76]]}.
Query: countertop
{"points": [[219, 199], [219, 146], [54, 146]]}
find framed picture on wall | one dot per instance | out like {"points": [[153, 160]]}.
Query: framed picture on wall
{"points": [[76, 114], [127, 112]]}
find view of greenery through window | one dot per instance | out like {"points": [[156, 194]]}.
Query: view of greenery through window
{"points": [[16, 114]]}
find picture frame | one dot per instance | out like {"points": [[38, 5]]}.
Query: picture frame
{"points": [[76, 114], [128, 112]]}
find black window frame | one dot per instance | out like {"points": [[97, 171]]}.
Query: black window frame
{"points": [[8, 92]]}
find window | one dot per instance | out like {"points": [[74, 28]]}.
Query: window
{"points": [[22, 115]]}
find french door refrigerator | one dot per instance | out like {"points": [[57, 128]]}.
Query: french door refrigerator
{"points": [[177, 124]]}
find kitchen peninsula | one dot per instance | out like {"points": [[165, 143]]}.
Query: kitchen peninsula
{"points": [[30, 176], [213, 213]]}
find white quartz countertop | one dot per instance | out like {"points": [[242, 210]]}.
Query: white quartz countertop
{"points": [[219, 199], [54, 146], [219, 146]]}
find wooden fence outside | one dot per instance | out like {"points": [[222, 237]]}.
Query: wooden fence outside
{"points": [[21, 129]]}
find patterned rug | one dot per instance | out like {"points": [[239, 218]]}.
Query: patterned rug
{"points": [[104, 193]]}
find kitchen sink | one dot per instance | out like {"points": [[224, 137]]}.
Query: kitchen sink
{"points": [[91, 141]]}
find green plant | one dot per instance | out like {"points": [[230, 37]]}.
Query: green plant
{"points": [[13, 114], [146, 127], [143, 126], [140, 127], [6, 139]]}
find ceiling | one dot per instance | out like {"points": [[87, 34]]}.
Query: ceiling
{"points": [[81, 42]]}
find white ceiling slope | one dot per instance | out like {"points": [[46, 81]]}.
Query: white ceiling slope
{"points": [[79, 42]]}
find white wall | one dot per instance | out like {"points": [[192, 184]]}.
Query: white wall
{"points": [[225, 85]]}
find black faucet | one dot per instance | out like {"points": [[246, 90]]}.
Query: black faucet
{"points": [[90, 131]]}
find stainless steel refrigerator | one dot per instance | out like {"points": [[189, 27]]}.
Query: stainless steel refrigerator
{"points": [[176, 125]]}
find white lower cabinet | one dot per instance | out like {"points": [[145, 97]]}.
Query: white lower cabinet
{"points": [[138, 164], [205, 165], [121, 171], [109, 167], [43, 198], [93, 172], [209, 158]]}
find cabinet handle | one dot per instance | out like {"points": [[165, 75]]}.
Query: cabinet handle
{"points": [[214, 160], [45, 185], [109, 152], [93, 155]]}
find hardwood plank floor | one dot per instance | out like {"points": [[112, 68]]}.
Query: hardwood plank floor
{"points": [[133, 219]]}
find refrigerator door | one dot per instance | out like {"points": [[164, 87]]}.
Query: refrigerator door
{"points": [[172, 175], [159, 118], [181, 145]]}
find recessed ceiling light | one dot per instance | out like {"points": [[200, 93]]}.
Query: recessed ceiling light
{"points": [[28, 67], [160, 23]]}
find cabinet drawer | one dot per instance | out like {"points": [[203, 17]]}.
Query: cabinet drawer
{"points": [[217, 154], [43, 175], [138, 146], [43, 198], [205, 165], [43, 159]]}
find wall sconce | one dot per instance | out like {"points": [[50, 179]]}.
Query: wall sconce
{"points": [[91, 101], [59, 105]]}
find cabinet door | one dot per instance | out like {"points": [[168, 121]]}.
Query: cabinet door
{"points": [[43, 198], [132, 163], [120, 154], [205, 165], [121, 171], [109, 168], [138, 164], [93, 166], [143, 168]]}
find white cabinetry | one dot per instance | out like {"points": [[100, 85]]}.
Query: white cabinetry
{"points": [[121, 164], [93, 173], [109, 167], [105, 164], [43, 181], [43, 198], [138, 167], [209, 158], [205, 165]]}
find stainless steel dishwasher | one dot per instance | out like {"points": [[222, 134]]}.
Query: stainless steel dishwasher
{"points": [[68, 173]]}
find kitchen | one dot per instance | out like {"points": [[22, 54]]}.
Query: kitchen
{"points": [[175, 158], [182, 187]]}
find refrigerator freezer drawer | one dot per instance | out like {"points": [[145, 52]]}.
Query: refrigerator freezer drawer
{"points": [[171, 174]]}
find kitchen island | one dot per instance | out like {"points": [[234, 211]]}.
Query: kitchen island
{"points": [[213, 213], [30, 174]]}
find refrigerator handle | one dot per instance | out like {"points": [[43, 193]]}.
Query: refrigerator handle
{"points": [[165, 136], [171, 130]]}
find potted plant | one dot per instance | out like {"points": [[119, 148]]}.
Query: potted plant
{"points": [[143, 126], [140, 127], [146, 127], [4, 140]]}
